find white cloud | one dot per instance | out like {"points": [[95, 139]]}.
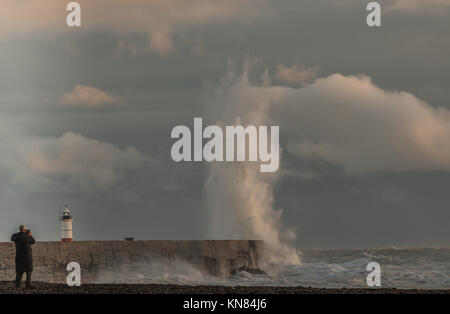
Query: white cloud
{"points": [[71, 161], [295, 75], [88, 96], [349, 121], [352, 122]]}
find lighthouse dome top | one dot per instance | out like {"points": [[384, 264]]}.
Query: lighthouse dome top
{"points": [[66, 213]]}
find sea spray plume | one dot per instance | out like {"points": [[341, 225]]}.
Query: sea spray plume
{"points": [[157, 271], [238, 197]]}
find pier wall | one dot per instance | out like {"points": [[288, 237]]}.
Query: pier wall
{"points": [[136, 261]]}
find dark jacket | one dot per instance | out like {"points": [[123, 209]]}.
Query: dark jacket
{"points": [[24, 252]]}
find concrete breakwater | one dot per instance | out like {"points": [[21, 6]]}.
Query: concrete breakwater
{"points": [[135, 261]]}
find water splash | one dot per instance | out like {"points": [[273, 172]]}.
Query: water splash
{"points": [[238, 197]]}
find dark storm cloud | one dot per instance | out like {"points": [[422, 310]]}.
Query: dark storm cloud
{"points": [[160, 85]]}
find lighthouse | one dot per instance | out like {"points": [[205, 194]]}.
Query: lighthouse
{"points": [[66, 225]]}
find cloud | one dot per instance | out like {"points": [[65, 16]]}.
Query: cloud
{"points": [[71, 162], [295, 75], [161, 41], [88, 96], [159, 19], [418, 5], [351, 122]]}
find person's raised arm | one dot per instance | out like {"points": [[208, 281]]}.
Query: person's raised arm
{"points": [[31, 239]]}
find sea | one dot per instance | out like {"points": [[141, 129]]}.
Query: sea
{"points": [[402, 268]]}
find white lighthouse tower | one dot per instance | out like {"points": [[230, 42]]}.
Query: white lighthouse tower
{"points": [[66, 225]]}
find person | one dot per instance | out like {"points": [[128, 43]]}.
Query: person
{"points": [[24, 255]]}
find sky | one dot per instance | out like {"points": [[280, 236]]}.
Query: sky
{"points": [[86, 115]]}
